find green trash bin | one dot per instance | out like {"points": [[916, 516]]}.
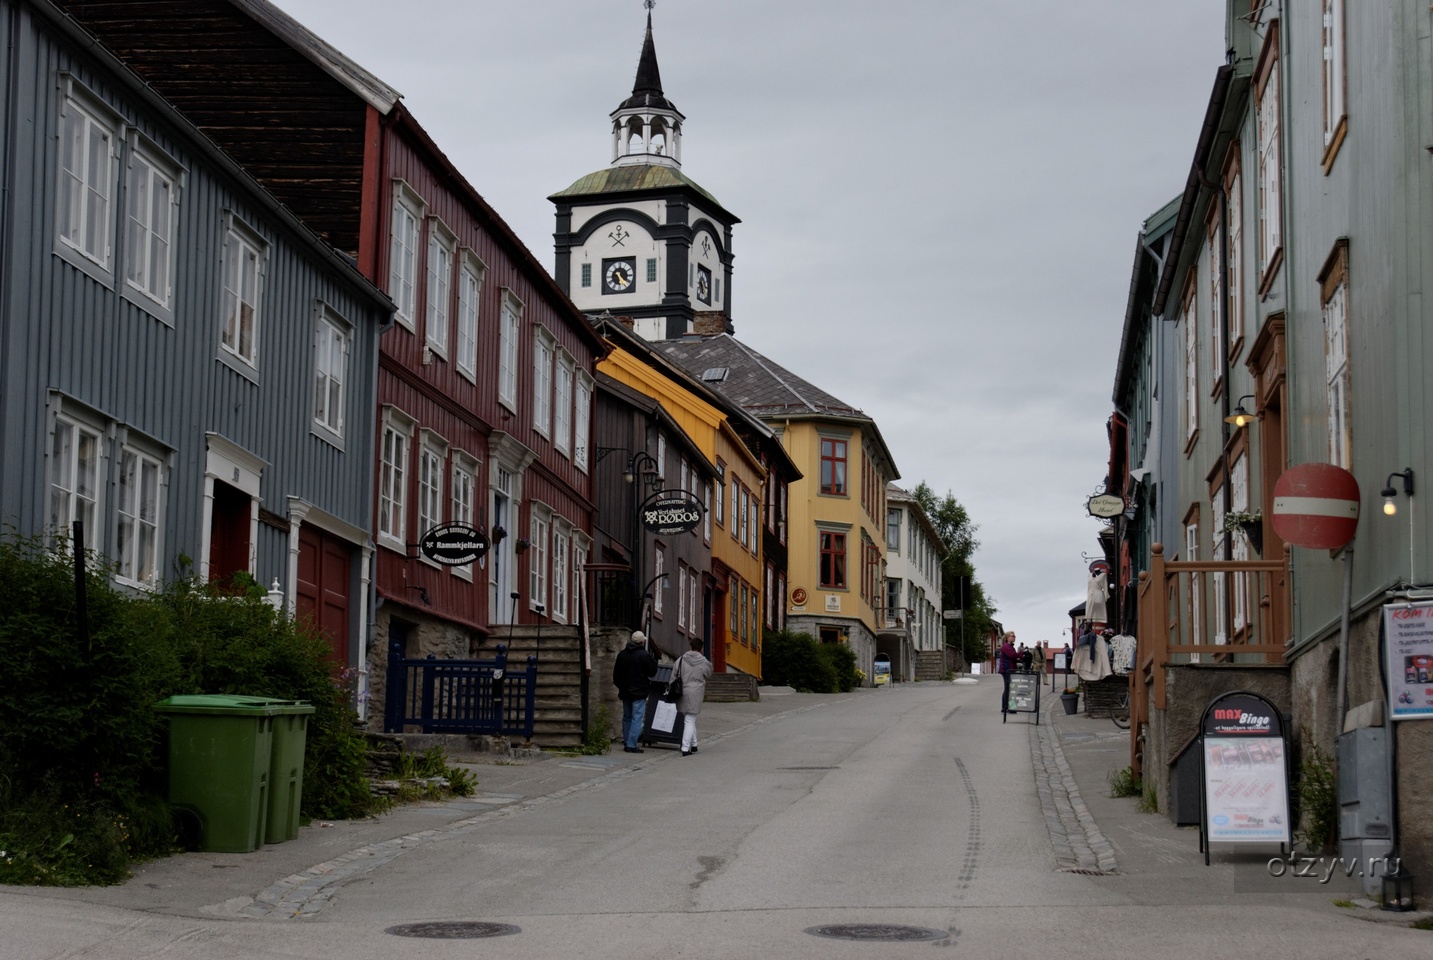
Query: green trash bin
{"points": [[286, 767], [220, 751]]}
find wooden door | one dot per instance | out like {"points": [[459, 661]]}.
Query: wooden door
{"points": [[322, 591]]}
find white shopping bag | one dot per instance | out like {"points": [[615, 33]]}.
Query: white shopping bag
{"points": [[665, 717]]}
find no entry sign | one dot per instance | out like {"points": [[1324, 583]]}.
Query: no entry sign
{"points": [[1316, 505]]}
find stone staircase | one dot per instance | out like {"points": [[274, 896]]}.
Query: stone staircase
{"points": [[731, 688], [930, 665], [557, 720]]}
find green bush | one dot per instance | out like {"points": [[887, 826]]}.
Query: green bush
{"points": [[795, 660], [81, 761], [842, 660]]}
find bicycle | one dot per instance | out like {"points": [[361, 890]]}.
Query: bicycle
{"points": [[1119, 712]]}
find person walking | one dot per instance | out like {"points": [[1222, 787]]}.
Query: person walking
{"points": [[631, 675], [1005, 665], [694, 669]]}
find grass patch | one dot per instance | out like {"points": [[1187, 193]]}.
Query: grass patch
{"points": [[1123, 783], [1425, 924], [1345, 904], [1149, 801], [598, 738]]}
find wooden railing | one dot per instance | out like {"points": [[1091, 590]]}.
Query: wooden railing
{"points": [[1210, 611]]}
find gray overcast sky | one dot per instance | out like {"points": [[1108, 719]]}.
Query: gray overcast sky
{"points": [[939, 203]]}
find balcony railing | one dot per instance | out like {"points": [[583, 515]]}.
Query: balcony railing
{"points": [[1204, 611]]}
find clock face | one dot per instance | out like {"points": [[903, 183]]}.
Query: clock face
{"points": [[619, 276], [704, 284]]}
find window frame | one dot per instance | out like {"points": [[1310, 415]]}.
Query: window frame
{"points": [[161, 167], [73, 191], [393, 478], [832, 573], [561, 552], [544, 352], [471, 273], [96, 429], [253, 249], [509, 358], [405, 250], [1234, 238], [582, 387], [1334, 298], [339, 333], [1335, 80], [1268, 100], [833, 463], [431, 474], [145, 454], [438, 286], [563, 372], [465, 471]]}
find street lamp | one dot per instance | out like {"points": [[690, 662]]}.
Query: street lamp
{"points": [[1389, 506], [1240, 416], [641, 466]]}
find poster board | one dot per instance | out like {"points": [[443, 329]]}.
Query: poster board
{"points": [[1408, 660], [1024, 694], [1245, 774]]}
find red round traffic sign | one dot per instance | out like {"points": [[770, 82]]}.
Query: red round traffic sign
{"points": [[1316, 505]]}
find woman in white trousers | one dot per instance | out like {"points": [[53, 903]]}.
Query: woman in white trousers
{"points": [[694, 669]]}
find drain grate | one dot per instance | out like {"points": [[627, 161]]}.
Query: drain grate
{"points": [[453, 930], [1086, 871], [876, 932], [808, 768]]}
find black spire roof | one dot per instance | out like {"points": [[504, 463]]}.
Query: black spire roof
{"points": [[647, 90]]}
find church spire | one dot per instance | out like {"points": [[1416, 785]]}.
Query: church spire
{"points": [[647, 127]]}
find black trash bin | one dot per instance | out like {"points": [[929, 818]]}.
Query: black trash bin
{"points": [[659, 684]]}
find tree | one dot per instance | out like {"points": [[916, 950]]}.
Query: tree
{"points": [[959, 586]]}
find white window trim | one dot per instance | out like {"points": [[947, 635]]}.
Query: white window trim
{"points": [[80, 420], [147, 452], [469, 312], [544, 352], [403, 273], [539, 553], [327, 320], [563, 372], [403, 426], [1335, 73], [432, 449], [1336, 375], [1270, 159], [79, 250], [659, 583], [581, 552], [561, 573], [236, 229], [165, 168], [438, 315], [509, 348], [681, 595], [469, 467], [582, 419]]}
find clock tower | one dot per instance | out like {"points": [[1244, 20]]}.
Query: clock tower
{"points": [[639, 238]]}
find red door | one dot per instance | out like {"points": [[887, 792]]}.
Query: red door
{"points": [[321, 593], [229, 532]]}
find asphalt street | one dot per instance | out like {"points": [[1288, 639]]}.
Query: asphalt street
{"points": [[903, 812]]}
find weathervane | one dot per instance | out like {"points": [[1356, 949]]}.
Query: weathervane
{"points": [[649, 4]]}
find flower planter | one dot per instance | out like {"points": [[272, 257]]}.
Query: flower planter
{"points": [[1071, 702]]}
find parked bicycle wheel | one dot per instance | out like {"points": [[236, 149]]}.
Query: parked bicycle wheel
{"points": [[1119, 713]]}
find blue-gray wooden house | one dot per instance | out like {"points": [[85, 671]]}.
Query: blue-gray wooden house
{"points": [[187, 368]]}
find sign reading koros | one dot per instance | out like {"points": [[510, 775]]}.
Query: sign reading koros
{"points": [[1316, 506], [670, 512], [454, 544], [1105, 505]]}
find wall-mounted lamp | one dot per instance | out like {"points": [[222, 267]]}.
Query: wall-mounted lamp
{"points": [[1241, 417], [1389, 506]]}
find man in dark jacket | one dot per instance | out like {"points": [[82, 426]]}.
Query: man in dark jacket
{"points": [[631, 675]]}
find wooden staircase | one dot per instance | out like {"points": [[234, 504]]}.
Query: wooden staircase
{"points": [[557, 719], [731, 688]]}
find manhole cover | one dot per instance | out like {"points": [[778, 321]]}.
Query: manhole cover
{"points": [[880, 932], [453, 930]]}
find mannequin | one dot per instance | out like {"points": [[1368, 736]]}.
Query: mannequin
{"points": [[1097, 594]]}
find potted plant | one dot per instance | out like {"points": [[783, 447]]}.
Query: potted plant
{"points": [[1250, 524], [1070, 699], [521, 544]]}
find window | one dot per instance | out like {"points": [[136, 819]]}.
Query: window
{"points": [[1216, 334], [1335, 59], [560, 540], [1333, 282], [833, 560], [562, 404], [393, 478], [754, 536], [330, 352], [733, 599], [893, 530], [537, 560], [403, 253], [651, 270], [465, 485], [693, 583], [440, 286], [470, 290], [579, 561], [244, 256], [430, 483], [139, 512], [681, 596], [707, 513], [582, 420], [542, 382], [75, 459], [735, 508], [508, 335], [768, 597], [1234, 203], [1191, 367], [833, 467], [745, 515], [150, 209], [662, 456], [587, 274], [1239, 502], [682, 478], [745, 615], [1270, 183], [1196, 604], [87, 177], [893, 600], [720, 496], [659, 585]]}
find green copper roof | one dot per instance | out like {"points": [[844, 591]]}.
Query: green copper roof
{"points": [[632, 177]]}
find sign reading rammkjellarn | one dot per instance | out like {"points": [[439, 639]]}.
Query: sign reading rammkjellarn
{"points": [[454, 544]]}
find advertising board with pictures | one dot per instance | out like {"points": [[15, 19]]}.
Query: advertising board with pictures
{"points": [[1246, 780], [1408, 660], [1024, 693]]}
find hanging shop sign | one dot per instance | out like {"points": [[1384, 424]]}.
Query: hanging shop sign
{"points": [[454, 544], [1408, 660], [1245, 772], [1316, 505], [670, 512], [1105, 506]]}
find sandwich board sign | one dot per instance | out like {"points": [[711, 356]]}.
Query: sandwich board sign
{"points": [[1245, 788]]}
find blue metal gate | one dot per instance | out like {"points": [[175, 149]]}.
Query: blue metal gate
{"points": [[459, 696]]}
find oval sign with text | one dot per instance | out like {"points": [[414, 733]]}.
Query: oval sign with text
{"points": [[1105, 506], [454, 544], [669, 512]]}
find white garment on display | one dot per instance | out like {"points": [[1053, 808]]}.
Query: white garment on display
{"points": [[1096, 594]]}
